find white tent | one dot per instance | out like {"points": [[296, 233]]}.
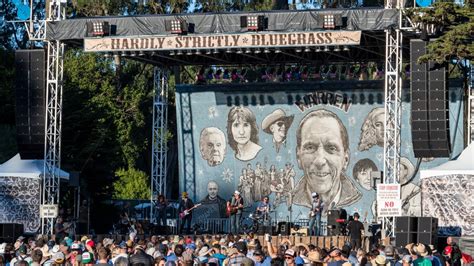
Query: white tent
{"points": [[463, 165], [26, 168]]}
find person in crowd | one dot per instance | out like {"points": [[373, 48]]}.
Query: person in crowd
{"points": [[421, 253], [140, 256], [241, 257]]}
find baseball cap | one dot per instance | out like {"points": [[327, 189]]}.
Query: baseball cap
{"points": [[191, 246], [123, 244], [75, 246], [314, 194], [90, 243], [58, 257], [241, 247], [290, 252], [237, 192], [22, 249], [86, 257]]}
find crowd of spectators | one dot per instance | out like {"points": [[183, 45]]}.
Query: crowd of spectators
{"points": [[218, 75], [213, 250]]}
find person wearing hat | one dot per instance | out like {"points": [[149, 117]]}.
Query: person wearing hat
{"points": [[336, 259], [317, 206], [122, 251], [22, 255], [277, 124], [140, 257], [290, 255], [234, 209], [185, 205]]}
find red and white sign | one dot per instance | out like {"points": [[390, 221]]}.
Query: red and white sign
{"points": [[389, 203]]}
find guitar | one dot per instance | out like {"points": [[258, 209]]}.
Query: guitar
{"points": [[230, 210], [188, 211]]}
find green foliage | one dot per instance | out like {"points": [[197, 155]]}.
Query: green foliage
{"points": [[131, 184], [457, 26]]}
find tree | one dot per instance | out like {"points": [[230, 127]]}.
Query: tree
{"points": [[131, 184]]}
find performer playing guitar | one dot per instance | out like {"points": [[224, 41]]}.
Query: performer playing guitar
{"points": [[317, 206], [185, 206], [234, 210]]}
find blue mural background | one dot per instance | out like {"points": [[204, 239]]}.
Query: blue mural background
{"points": [[200, 107]]}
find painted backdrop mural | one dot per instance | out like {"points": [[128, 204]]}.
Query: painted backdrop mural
{"points": [[288, 140]]}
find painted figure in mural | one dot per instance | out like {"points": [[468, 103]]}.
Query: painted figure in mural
{"points": [[276, 185], [362, 172], [245, 185], [277, 124], [372, 131], [257, 185], [288, 180], [251, 177], [242, 132], [215, 205], [322, 152], [410, 193], [212, 145]]}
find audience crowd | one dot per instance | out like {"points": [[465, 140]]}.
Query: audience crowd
{"points": [[214, 250]]}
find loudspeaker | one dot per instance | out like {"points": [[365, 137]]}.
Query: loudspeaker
{"points": [[427, 225], [30, 102], [10, 232], [406, 224], [402, 239], [284, 228], [264, 229], [430, 106], [427, 238]]}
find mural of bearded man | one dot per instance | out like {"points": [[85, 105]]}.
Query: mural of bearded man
{"points": [[372, 131]]}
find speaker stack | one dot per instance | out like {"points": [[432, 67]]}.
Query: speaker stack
{"points": [[415, 230], [10, 232], [30, 102], [284, 228], [430, 106]]}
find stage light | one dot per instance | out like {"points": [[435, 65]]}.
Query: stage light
{"points": [[326, 48], [133, 54], [266, 51], [198, 52], [215, 51], [107, 55], [253, 23], [239, 51], [124, 53], [229, 51], [98, 29], [248, 51], [257, 51], [329, 22], [172, 53], [189, 52], [318, 49], [298, 50], [179, 52], [345, 48], [141, 53], [179, 26], [153, 53], [208, 51], [337, 49], [277, 51], [307, 50]]}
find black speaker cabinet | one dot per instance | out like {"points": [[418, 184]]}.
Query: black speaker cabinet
{"points": [[427, 225], [10, 232], [430, 106], [30, 84], [284, 228], [402, 239], [406, 224], [428, 238]]}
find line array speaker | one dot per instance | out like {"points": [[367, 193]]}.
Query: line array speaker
{"points": [[30, 102], [10, 232], [430, 106]]}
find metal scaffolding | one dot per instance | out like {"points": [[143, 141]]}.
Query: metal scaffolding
{"points": [[159, 142], [393, 89], [53, 116]]}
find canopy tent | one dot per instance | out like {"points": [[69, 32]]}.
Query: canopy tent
{"points": [[446, 192], [464, 164], [27, 168]]}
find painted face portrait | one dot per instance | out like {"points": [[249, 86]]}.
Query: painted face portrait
{"points": [[277, 124], [278, 130], [362, 172], [322, 151], [212, 145], [242, 132], [372, 131], [322, 155], [406, 170], [212, 189]]}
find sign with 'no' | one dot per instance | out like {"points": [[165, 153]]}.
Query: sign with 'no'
{"points": [[389, 203]]}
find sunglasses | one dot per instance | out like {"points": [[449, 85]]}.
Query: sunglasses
{"points": [[288, 257]]}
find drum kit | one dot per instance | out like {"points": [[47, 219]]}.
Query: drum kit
{"points": [[255, 221]]}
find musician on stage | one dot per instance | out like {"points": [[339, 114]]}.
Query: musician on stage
{"points": [[161, 206], [356, 230], [234, 208], [185, 205], [317, 206], [263, 209]]}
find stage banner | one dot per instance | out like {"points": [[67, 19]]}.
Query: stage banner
{"points": [[287, 140], [222, 41]]}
